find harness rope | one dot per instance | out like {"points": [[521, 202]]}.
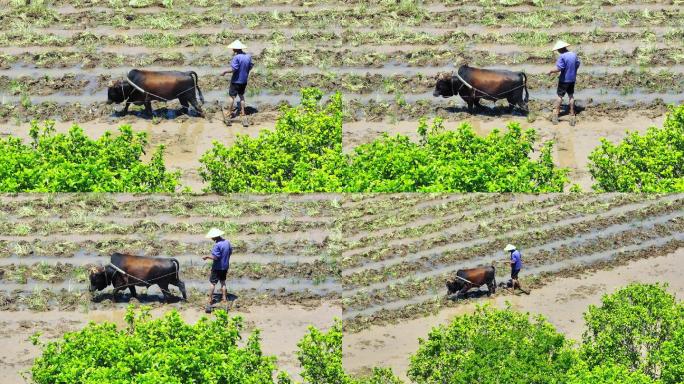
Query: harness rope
{"points": [[117, 269], [147, 93], [481, 91]]}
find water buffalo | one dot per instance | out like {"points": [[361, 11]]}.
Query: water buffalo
{"points": [[142, 87], [484, 84], [476, 277], [142, 271]]}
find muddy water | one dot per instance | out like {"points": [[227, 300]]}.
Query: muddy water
{"points": [[436, 251], [610, 255], [562, 302], [571, 241], [320, 288], [279, 334]]}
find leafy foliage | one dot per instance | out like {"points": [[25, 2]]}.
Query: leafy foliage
{"points": [[164, 350], [302, 154], [606, 374], [634, 327], [455, 161], [320, 355], [73, 162], [493, 346], [653, 162]]}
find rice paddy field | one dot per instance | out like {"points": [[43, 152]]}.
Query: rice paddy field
{"points": [[58, 56], [400, 250], [284, 271]]}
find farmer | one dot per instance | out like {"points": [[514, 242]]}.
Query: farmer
{"points": [[567, 64], [516, 266], [240, 66], [220, 256]]}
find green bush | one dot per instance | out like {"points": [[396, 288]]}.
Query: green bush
{"points": [[73, 162], [636, 327], [493, 346], [302, 154], [652, 162], [164, 350], [320, 355], [455, 161], [606, 374]]}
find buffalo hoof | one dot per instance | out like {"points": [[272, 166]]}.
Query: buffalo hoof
{"points": [[207, 309]]}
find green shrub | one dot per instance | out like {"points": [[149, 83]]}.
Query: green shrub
{"points": [[302, 154], [320, 355], [455, 161], [493, 346], [635, 327], [164, 350], [73, 162], [652, 162], [606, 374]]}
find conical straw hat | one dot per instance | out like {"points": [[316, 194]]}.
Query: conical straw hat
{"points": [[560, 44], [510, 247], [237, 44], [214, 232]]}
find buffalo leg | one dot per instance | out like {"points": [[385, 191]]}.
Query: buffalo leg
{"points": [[463, 291], [124, 111], [181, 287], [115, 293], [195, 105], [133, 292], [186, 106], [491, 288], [165, 291], [148, 109]]}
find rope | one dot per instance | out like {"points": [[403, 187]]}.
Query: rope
{"points": [[136, 86], [483, 92], [466, 280], [117, 269]]}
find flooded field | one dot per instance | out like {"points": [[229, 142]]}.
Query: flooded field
{"points": [[402, 248], [384, 57]]}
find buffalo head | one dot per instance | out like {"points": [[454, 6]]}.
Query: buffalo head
{"points": [[444, 86], [454, 285], [98, 279], [117, 91]]}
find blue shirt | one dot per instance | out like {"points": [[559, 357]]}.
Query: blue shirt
{"points": [[517, 258], [221, 252], [241, 64], [568, 63]]}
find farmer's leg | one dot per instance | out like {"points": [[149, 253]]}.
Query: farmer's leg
{"points": [[212, 286], [242, 105], [224, 291], [556, 109]]}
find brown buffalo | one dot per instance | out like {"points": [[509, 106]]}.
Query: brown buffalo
{"points": [[476, 277], [142, 271], [156, 86], [484, 84]]}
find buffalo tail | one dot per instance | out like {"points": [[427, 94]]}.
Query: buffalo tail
{"points": [[177, 269], [199, 91], [527, 94]]}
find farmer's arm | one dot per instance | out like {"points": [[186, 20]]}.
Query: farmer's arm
{"points": [[233, 67], [214, 254], [560, 65]]}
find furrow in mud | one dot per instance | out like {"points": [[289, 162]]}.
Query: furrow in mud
{"points": [[613, 255], [551, 238], [480, 234]]}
